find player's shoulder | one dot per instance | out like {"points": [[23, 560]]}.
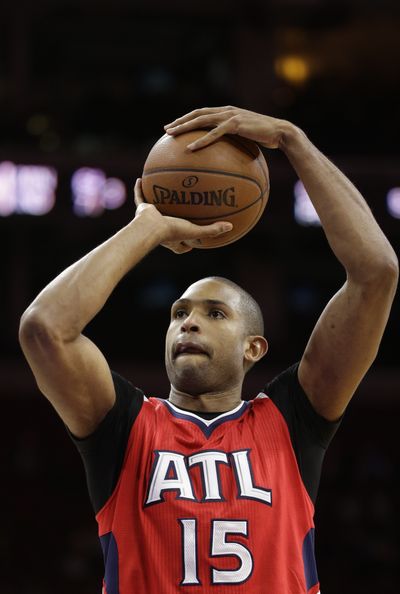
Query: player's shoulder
{"points": [[260, 401], [153, 405], [282, 382], [278, 395], [261, 405], [127, 392]]}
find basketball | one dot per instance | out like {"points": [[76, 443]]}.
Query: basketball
{"points": [[224, 181]]}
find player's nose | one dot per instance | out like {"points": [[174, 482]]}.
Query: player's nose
{"points": [[191, 323]]}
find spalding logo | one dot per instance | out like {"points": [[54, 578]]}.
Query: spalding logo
{"points": [[220, 197], [190, 181]]}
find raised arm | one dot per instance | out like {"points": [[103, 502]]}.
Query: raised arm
{"points": [[347, 335], [345, 340], [69, 369]]}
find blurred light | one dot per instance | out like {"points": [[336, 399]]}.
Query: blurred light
{"points": [[36, 189], [86, 187], [304, 211], [26, 189], [294, 69], [92, 192], [114, 193], [393, 202]]}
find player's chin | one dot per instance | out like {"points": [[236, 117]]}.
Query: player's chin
{"points": [[191, 378], [197, 364]]}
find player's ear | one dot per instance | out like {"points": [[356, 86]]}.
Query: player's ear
{"points": [[255, 349]]}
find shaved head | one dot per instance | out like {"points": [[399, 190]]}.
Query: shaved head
{"points": [[252, 314], [214, 337]]}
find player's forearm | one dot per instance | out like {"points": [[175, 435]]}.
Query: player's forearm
{"points": [[74, 297], [351, 230]]}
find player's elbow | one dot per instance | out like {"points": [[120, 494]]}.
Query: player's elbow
{"points": [[394, 267], [36, 328], [381, 273], [389, 271]]}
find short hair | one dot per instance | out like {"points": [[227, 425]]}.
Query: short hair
{"points": [[252, 314]]}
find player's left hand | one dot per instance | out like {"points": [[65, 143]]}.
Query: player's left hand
{"points": [[265, 130], [176, 234]]}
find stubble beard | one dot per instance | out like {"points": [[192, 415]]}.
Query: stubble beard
{"points": [[191, 378], [200, 379]]}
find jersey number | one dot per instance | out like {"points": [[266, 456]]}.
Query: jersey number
{"points": [[220, 547]]}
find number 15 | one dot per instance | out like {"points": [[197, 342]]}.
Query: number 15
{"points": [[220, 547]]}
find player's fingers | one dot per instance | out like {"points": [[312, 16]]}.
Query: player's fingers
{"points": [[204, 111], [227, 127], [191, 116], [204, 121], [138, 192], [178, 248], [211, 230], [183, 248], [197, 232]]}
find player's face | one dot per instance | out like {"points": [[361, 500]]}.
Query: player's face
{"points": [[206, 339]]}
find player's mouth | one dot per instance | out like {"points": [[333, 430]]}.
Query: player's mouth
{"points": [[188, 348]]}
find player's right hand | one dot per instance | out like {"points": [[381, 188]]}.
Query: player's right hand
{"points": [[266, 130], [178, 235]]}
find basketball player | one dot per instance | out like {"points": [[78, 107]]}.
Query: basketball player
{"points": [[205, 492]]}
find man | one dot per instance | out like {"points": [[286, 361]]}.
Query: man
{"points": [[206, 492]]}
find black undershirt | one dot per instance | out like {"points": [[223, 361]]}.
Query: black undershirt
{"points": [[103, 451]]}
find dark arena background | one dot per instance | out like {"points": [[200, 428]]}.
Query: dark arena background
{"points": [[85, 88]]}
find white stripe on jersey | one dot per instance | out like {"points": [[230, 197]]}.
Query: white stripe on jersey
{"points": [[206, 422]]}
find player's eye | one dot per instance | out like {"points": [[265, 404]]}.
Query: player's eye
{"points": [[179, 314], [217, 314]]}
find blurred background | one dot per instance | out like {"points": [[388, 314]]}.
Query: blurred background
{"points": [[85, 88]]}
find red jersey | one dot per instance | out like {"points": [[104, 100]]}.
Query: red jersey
{"points": [[209, 506]]}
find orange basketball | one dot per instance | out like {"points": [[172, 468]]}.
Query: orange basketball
{"points": [[224, 181]]}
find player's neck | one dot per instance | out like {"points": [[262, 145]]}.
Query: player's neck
{"points": [[208, 402]]}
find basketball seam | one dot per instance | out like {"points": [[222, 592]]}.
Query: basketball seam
{"points": [[260, 159], [242, 234], [236, 140], [230, 214], [199, 170], [266, 176]]}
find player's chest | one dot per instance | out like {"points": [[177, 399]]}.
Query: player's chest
{"points": [[224, 461], [208, 475]]}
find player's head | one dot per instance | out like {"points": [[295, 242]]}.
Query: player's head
{"points": [[215, 336], [249, 309]]}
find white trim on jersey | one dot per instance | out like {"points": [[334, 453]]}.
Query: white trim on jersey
{"points": [[206, 422], [262, 395]]}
